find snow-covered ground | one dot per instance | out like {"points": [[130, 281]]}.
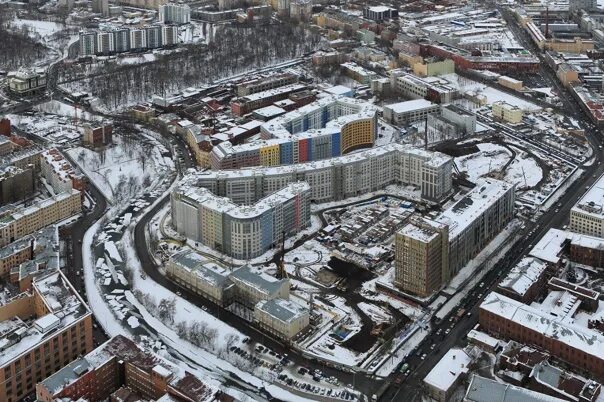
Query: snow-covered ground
{"points": [[42, 28], [124, 167]]}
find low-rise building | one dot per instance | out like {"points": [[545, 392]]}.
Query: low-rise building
{"points": [[253, 286], [409, 111], [282, 318], [200, 275], [448, 373], [504, 111], [483, 389], [525, 280], [27, 82], [554, 332], [379, 13], [97, 135]]}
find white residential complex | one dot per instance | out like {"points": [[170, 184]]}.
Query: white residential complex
{"points": [[175, 14], [240, 231], [119, 40], [337, 178]]}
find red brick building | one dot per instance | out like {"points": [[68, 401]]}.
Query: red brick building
{"points": [[121, 364], [579, 346]]}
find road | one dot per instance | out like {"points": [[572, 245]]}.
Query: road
{"points": [[556, 217]]}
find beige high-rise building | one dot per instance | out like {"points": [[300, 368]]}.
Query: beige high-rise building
{"points": [[422, 256]]}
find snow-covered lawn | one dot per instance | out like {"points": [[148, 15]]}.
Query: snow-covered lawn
{"points": [[42, 28], [124, 168]]}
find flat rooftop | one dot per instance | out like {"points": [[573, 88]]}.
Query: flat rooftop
{"points": [[461, 214], [65, 307]]}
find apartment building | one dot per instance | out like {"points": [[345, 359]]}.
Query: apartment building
{"points": [[587, 215], [16, 184], [409, 111], [29, 255], [282, 318], [60, 173], [175, 14], [120, 39], [241, 231], [43, 329], [421, 257], [16, 222], [324, 129], [476, 219], [121, 370], [504, 111], [337, 178], [526, 280]]}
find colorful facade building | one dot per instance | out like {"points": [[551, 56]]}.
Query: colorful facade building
{"points": [[330, 127], [241, 231]]}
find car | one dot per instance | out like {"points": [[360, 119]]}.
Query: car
{"points": [[407, 373], [302, 371], [423, 356], [447, 331], [433, 346], [178, 293], [440, 330], [481, 284]]}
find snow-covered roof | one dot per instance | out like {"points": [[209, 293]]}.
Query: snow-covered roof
{"points": [[573, 335], [446, 372], [486, 390], [339, 90], [410, 106], [483, 338], [549, 246], [258, 280], [273, 92], [281, 309], [522, 276], [202, 267], [204, 197], [592, 202], [269, 111], [64, 305], [434, 159], [461, 214]]}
